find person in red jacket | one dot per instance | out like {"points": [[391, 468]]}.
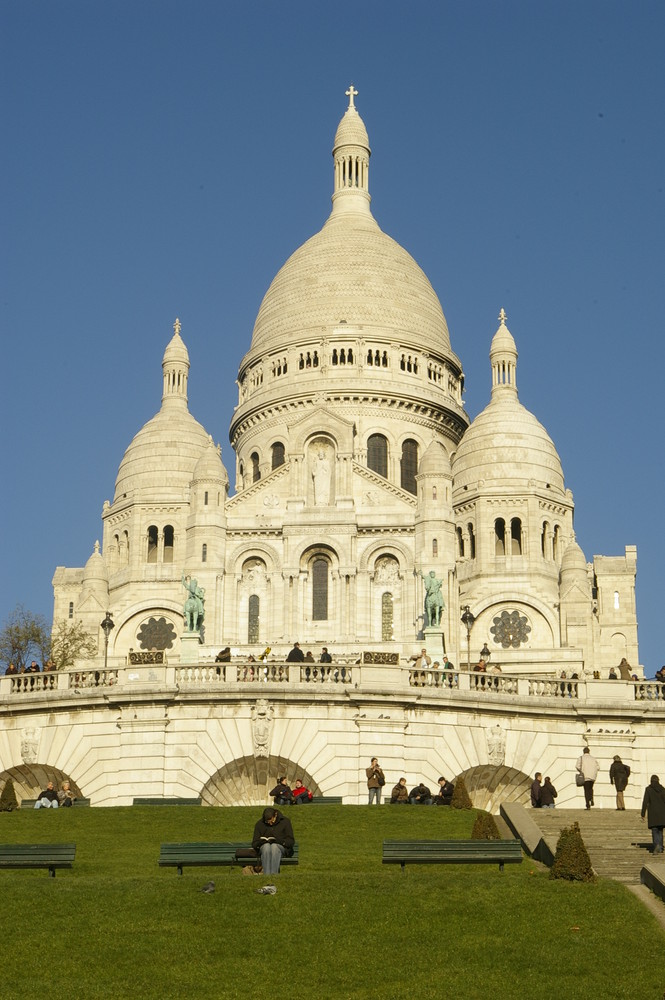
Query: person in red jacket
{"points": [[301, 794]]}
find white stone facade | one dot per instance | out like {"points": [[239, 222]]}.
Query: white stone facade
{"points": [[356, 473]]}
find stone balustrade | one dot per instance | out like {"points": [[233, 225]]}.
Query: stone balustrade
{"points": [[362, 677]]}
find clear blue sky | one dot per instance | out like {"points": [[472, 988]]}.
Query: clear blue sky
{"points": [[163, 159]]}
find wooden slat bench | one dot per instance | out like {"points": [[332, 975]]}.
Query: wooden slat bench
{"points": [[167, 802], [327, 800], [209, 855], [30, 803], [49, 856], [452, 852]]}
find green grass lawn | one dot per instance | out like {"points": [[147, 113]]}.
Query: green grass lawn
{"points": [[341, 925]]}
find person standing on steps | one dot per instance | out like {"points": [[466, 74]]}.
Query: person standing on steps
{"points": [[653, 806], [535, 791], [587, 766], [548, 793], [619, 774]]}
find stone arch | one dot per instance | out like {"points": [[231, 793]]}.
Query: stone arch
{"points": [[489, 785], [124, 636], [30, 779], [256, 550], [367, 559], [246, 781]]}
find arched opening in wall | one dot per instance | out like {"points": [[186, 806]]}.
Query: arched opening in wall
{"points": [[617, 603], [277, 455], [31, 779], [460, 543], [152, 543], [247, 781], [387, 634], [377, 454], [619, 647], [472, 541], [169, 536], [320, 568], [126, 540], [71, 610], [489, 785], [409, 466], [516, 537], [204, 552], [499, 537], [544, 537], [256, 471], [435, 547], [241, 473], [556, 537], [253, 618]]}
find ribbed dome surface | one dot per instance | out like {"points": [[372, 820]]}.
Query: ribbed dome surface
{"points": [[435, 460], [160, 461], [573, 561], [506, 443], [351, 131], [209, 467], [350, 271], [95, 571]]}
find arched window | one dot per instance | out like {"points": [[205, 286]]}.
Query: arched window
{"points": [[377, 454], [434, 493], [168, 543], [435, 546], [204, 552], [253, 619], [152, 543], [71, 609], [555, 542], [516, 537], [387, 617], [256, 471], [320, 590], [616, 600], [472, 541], [460, 543], [409, 465], [499, 537], [277, 454], [126, 540], [205, 499], [544, 539]]}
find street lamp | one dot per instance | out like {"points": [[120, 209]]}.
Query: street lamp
{"points": [[107, 627], [468, 618], [485, 653]]}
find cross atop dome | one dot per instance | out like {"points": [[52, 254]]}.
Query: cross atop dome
{"points": [[351, 93], [176, 327], [503, 317]]}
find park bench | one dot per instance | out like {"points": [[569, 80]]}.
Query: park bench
{"points": [[452, 852], [49, 856], [30, 803], [167, 802], [327, 800], [210, 855]]}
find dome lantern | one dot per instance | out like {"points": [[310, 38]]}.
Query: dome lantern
{"points": [[351, 155]]}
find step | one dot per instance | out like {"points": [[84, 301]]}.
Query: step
{"points": [[618, 842]]}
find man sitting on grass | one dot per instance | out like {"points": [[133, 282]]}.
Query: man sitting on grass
{"points": [[273, 839]]}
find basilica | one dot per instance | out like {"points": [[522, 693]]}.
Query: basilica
{"points": [[355, 478]]}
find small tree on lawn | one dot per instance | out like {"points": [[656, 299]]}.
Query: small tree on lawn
{"points": [[24, 636], [461, 798], [485, 827], [70, 642], [572, 861], [8, 801]]}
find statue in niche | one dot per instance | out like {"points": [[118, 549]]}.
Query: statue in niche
{"points": [[321, 478], [193, 610], [30, 745], [433, 599], [261, 722], [387, 570], [254, 574], [496, 745]]}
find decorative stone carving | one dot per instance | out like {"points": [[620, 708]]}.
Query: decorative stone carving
{"points": [[30, 745], [262, 714], [387, 570], [496, 745], [254, 574], [321, 476], [156, 633], [510, 629]]}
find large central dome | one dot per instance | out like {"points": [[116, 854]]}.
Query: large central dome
{"points": [[350, 272]]}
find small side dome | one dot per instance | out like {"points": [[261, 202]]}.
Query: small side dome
{"points": [[209, 468], [95, 570], [573, 564], [435, 461]]}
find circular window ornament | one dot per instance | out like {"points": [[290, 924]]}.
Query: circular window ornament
{"points": [[510, 629], [156, 633]]}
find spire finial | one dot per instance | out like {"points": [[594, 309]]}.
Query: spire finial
{"points": [[351, 93], [503, 317], [176, 326]]}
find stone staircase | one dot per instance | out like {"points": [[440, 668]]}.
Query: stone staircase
{"points": [[618, 842]]}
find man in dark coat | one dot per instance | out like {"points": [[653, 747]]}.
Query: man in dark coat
{"points": [[420, 795], [535, 791], [296, 655], [653, 805], [273, 839], [619, 773]]}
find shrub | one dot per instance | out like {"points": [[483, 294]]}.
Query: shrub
{"points": [[572, 859], [485, 827], [8, 801], [461, 798]]}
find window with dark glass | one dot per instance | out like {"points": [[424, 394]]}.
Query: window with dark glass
{"points": [[277, 454], [409, 465], [320, 590], [377, 454]]}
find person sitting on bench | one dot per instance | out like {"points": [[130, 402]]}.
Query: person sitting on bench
{"points": [[48, 799]]}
